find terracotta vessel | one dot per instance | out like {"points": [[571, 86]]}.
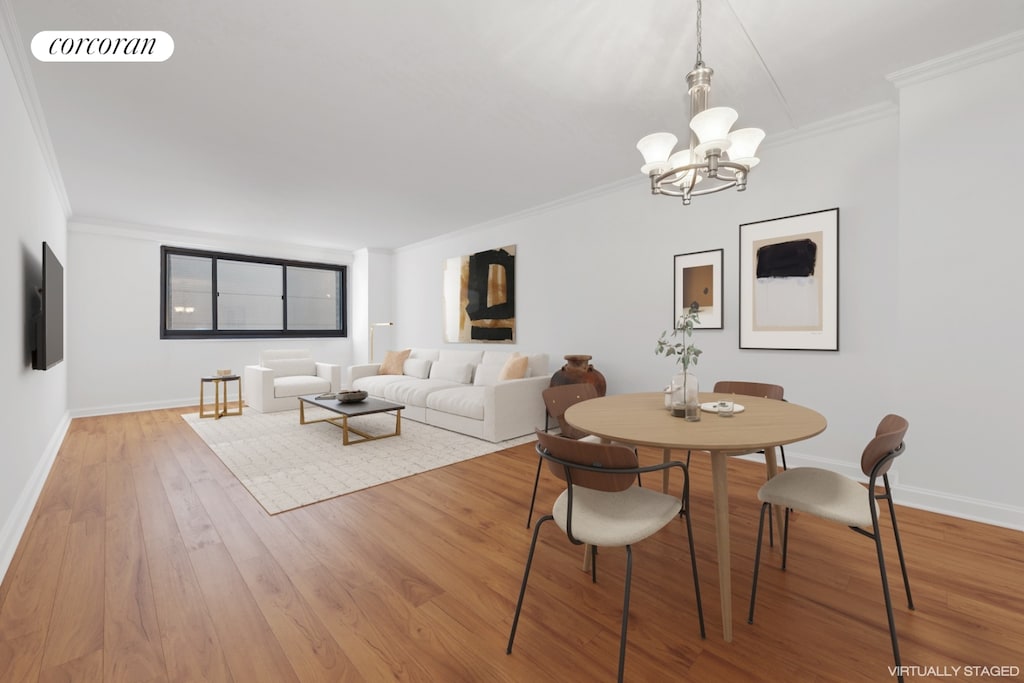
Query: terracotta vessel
{"points": [[578, 370]]}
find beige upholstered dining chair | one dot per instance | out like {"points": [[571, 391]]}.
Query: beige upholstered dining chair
{"points": [[602, 505], [840, 499]]}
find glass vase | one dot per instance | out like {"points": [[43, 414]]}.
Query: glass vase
{"points": [[686, 396]]}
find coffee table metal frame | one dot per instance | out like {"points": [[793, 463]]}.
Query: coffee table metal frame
{"points": [[347, 410]]}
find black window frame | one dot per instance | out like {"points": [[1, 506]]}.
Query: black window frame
{"points": [[167, 251]]}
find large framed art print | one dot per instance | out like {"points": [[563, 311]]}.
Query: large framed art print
{"points": [[789, 282]]}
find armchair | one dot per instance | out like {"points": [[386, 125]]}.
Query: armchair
{"points": [[283, 375]]}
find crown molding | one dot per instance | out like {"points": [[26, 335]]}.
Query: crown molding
{"points": [[203, 239], [12, 41], [956, 61]]}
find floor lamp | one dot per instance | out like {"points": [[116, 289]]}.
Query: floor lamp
{"points": [[372, 328]]}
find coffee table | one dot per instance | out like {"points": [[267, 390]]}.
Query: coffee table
{"points": [[346, 410]]}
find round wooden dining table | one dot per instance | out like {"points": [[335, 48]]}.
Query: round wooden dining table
{"points": [[642, 420]]}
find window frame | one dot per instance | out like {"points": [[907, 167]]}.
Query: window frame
{"points": [[215, 333]]}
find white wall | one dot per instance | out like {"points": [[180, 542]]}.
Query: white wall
{"points": [[595, 276], [33, 404], [960, 253], [118, 361]]}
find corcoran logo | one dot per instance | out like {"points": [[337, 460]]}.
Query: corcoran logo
{"points": [[102, 46]]}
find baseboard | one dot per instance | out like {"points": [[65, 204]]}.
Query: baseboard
{"points": [[134, 407], [943, 503], [19, 518]]}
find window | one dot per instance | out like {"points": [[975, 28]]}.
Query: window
{"points": [[213, 294]]}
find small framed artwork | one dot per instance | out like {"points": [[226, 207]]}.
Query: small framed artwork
{"points": [[789, 282], [698, 282]]}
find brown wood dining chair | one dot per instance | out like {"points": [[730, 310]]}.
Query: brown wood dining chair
{"points": [[557, 400], [602, 505], [838, 498], [759, 389]]}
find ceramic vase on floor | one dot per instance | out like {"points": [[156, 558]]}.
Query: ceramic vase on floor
{"points": [[578, 370]]}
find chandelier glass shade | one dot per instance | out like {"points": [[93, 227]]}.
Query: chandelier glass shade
{"points": [[716, 156]]}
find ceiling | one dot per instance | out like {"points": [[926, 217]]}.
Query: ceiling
{"points": [[361, 123]]}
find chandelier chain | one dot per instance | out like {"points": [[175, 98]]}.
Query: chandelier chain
{"points": [[700, 57]]}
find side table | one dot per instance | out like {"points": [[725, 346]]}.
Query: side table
{"points": [[221, 406]]}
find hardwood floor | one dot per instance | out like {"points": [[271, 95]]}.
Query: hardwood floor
{"points": [[146, 560]]}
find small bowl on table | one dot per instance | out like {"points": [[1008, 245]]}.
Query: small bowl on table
{"points": [[351, 396]]}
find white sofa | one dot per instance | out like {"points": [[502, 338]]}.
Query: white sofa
{"points": [[459, 390], [282, 375]]}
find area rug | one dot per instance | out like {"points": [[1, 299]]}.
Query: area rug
{"points": [[285, 465]]}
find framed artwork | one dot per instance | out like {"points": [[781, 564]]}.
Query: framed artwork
{"points": [[480, 296], [698, 280], [789, 282]]}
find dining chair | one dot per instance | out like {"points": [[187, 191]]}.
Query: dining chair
{"points": [[601, 506], [841, 499], [759, 389], [557, 400]]}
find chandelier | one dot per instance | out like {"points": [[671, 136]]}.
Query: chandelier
{"points": [[718, 158]]}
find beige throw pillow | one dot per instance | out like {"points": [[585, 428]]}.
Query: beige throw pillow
{"points": [[514, 368], [394, 362]]}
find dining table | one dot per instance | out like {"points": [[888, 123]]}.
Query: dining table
{"points": [[642, 419]]}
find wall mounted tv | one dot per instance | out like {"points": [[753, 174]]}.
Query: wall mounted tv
{"points": [[49, 347]]}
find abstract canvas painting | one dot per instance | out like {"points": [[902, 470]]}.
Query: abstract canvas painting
{"points": [[789, 282], [479, 296]]}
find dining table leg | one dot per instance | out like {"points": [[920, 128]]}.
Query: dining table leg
{"points": [[772, 468], [720, 492]]}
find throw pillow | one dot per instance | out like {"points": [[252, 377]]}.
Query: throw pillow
{"points": [[417, 367], [393, 362], [450, 371], [514, 368]]}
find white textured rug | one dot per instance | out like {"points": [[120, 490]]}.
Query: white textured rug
{"points": [[285, 465]]}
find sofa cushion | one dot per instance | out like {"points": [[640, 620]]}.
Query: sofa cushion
{"points": [[393, 362], [486, 375], [461, 373], [429, 354], [515, 367], [538, 365], [414, 392], [297, 385], [286, 367], [374, 384], [460, 356], [417, 367], [464, 401]]}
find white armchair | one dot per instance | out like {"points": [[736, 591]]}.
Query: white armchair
{"points": [[283, 375]]}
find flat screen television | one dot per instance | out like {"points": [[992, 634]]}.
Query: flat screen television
{"points": [[49, 347]]}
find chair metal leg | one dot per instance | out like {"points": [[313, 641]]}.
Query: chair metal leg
{"points": [[757, 561], [533, 498], [526, 575], [885, 592], [696, 580], [899, 544], [625, 612], [785, 538]]}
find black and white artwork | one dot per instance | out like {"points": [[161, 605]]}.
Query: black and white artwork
{"points": [[789, 282]]}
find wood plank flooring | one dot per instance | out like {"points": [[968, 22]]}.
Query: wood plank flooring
{"points": [[145, 560]]}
